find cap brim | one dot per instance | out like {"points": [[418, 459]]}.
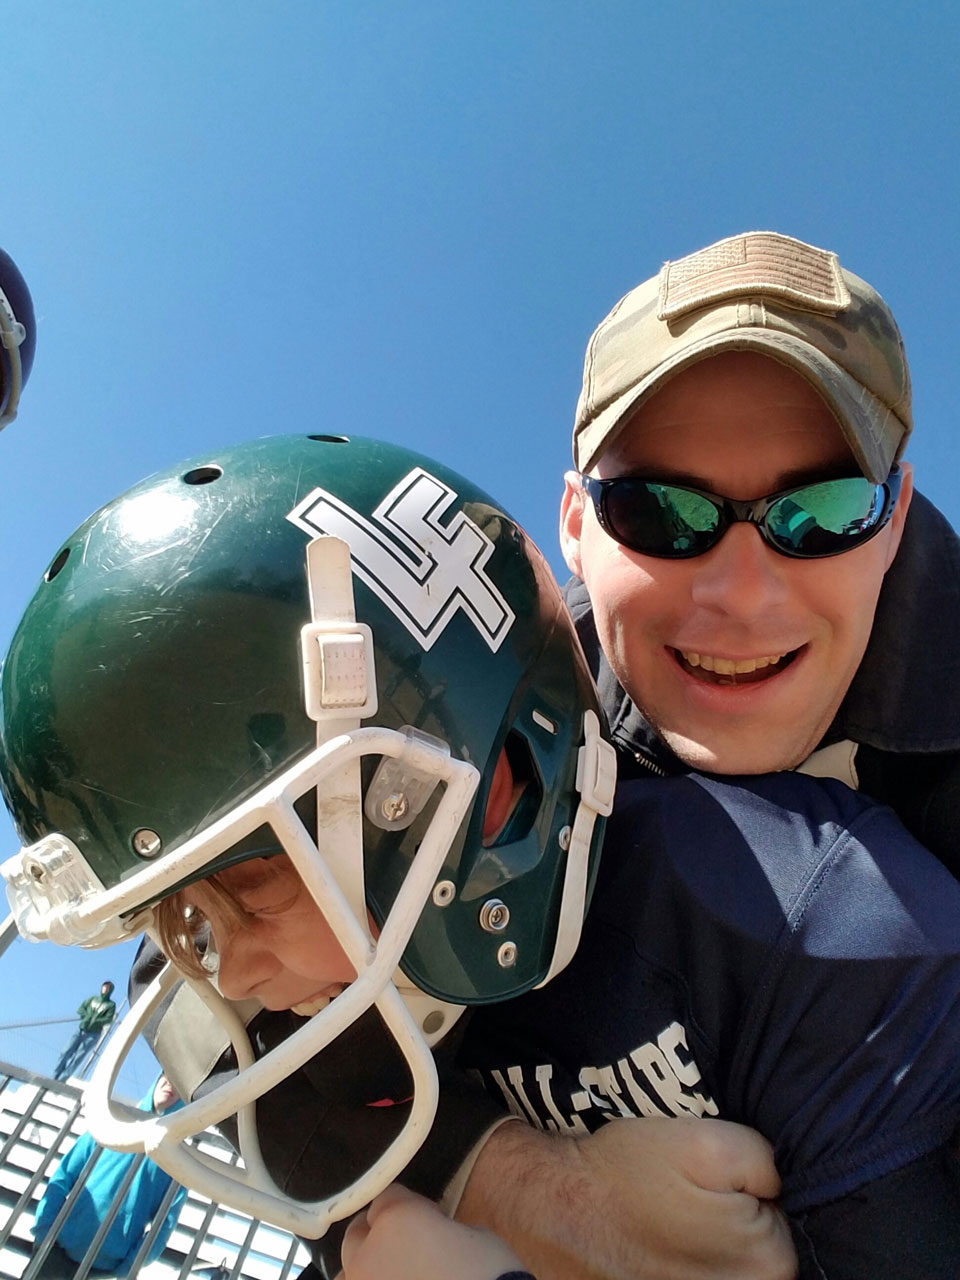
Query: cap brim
{"points": [[872, 430]]}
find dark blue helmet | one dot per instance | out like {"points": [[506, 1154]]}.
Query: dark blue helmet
{"points": [[18, 337]]}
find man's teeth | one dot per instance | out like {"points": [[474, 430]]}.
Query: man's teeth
{"points": [[307, 1008], [727, 667]]}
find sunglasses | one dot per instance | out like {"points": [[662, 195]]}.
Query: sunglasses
{"points": [[675, 521]]}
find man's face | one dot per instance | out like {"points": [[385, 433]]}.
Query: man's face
{"points": [[741, 425]]}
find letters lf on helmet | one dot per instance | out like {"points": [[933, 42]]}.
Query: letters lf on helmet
{"points": [[318, 646], [18, 337]]}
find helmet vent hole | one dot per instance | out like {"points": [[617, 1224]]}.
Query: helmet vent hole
{"points": [[330, 439], [203, 475], [60, 559], [527, 793]]}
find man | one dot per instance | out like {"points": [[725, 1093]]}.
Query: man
{"points": [[132, 1216], [754, 367], [97, 1012], [689, 376]]}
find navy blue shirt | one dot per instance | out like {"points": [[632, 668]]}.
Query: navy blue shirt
{"points": [[777, 951]]}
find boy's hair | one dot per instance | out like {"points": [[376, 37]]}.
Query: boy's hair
{"points": [[183, 930]]}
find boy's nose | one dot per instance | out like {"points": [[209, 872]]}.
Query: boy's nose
{"points": [[242, 963]]}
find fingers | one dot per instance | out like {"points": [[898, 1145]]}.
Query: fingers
{"points": [[394, 1195], [354, 1237], [402, 1236], [723, 1156], [742, 1238], [394, 1200]]}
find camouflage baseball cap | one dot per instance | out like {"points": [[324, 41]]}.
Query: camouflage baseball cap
{"points": [[763, 292]]}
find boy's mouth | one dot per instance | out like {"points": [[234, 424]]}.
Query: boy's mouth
{"points": [[307, 1008], [713, 670]]}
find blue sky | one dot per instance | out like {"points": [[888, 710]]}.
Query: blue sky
{"points": [[404, 220]]}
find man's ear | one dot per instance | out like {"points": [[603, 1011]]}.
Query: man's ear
{"points": [[898, 519], [571, 521]]}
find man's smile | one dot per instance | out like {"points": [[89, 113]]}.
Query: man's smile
{"points": [[727, 671]]}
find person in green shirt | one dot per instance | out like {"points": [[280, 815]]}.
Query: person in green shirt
{"points": [[96, 1013]]}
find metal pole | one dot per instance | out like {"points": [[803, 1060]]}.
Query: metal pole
{"points": [[8, 931]]}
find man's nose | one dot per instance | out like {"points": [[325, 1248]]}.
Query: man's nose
{"points": [[741, 576]]}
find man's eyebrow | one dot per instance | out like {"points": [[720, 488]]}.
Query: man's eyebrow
{"points": [[791, 479], [816, 475]]}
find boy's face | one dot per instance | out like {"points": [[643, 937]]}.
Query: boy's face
{"points": [[282, 951], [741, 425]]}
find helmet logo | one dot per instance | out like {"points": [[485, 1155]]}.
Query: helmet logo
{"points": [[423, 571]]}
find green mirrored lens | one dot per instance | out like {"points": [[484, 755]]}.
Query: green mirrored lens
{"points": [[661, 519], [825, 517]]}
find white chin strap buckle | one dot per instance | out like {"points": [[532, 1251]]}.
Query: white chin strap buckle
{"points": [[597, 784], [596, 769], [338, 670]]}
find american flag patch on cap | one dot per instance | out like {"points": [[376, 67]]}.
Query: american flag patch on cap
{"points": [[760, 263]]}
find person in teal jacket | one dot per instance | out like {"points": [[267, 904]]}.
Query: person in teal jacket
{"points": [[143, 1199]]}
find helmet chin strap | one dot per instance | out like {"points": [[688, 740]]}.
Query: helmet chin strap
{"points": [[596, 786], [340, 688]]}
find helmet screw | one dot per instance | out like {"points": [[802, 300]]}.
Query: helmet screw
{"points": [[433, 1021], [146, 843], [444, 892], [494, 916], [394, 806], [564, 837], [507, 955]]}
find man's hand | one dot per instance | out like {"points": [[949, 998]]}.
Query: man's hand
{"points": [[657, 1199], [404, 1237]]}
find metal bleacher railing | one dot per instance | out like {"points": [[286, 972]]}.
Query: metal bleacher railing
{"points": [[40, 1119]]}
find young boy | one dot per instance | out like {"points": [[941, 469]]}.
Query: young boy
{"points": [[182, 752]]}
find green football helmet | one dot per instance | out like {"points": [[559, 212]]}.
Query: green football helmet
{"points": [[319, 646]]}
